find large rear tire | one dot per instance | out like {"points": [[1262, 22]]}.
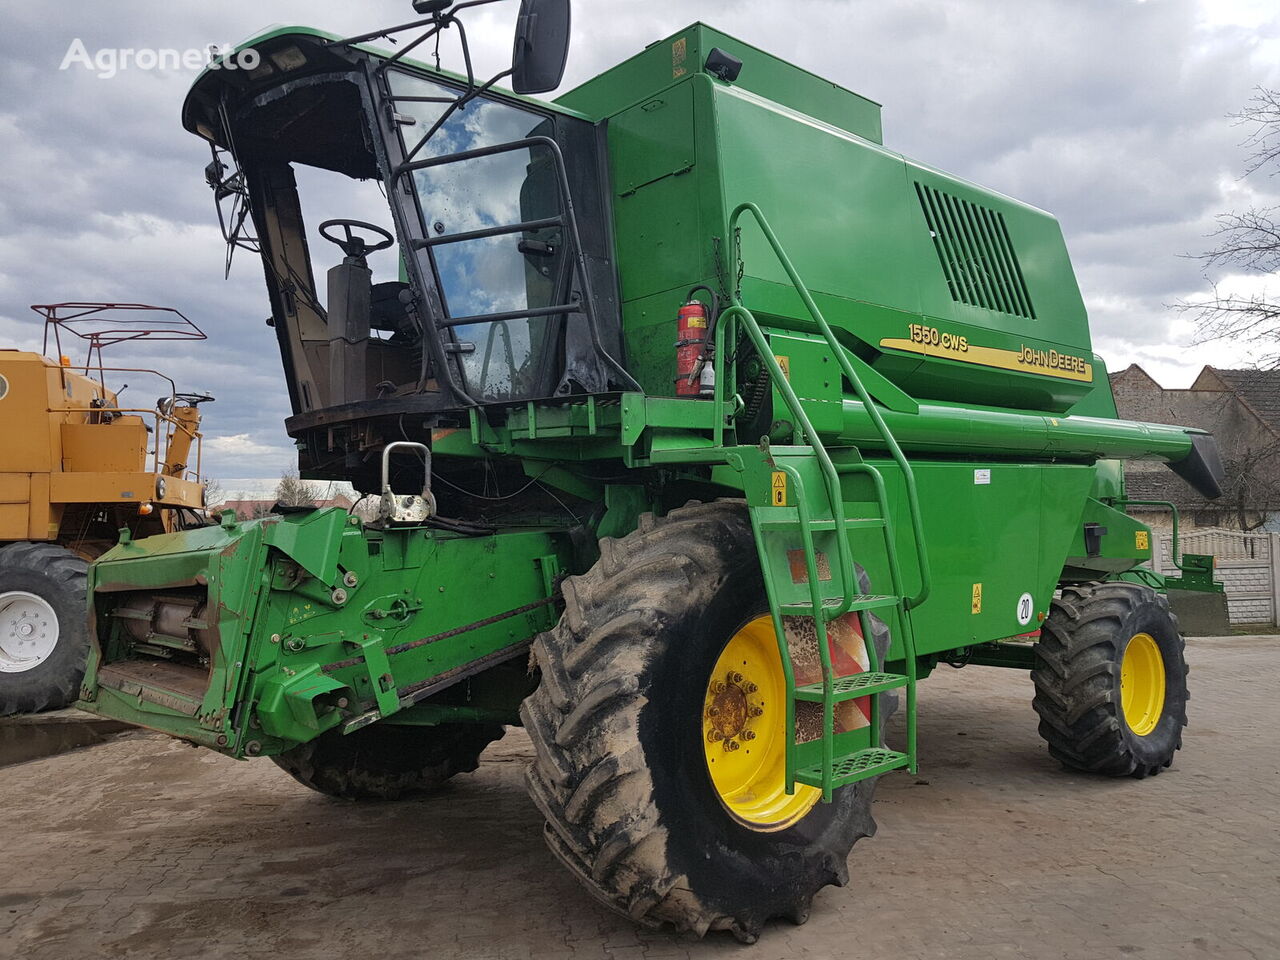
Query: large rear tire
{"points": [[619, 724], [44, 632], [388, 761], [1111, 680]]}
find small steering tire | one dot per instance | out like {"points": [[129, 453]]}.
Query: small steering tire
{"points": [[352, 245]]}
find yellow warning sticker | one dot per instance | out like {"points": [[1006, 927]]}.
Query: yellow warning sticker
{"points": [[785, 364], [976, 606], [1141, 540], [697, 322], [679, 53], [779, 488]]}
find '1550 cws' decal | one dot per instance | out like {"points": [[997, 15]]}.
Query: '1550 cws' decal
{"points": [[932, 342]]}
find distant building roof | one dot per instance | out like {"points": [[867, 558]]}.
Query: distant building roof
{"points": [[1162, 485], [1260, 389], [1132, 370]]}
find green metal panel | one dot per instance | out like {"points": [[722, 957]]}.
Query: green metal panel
{"points": [[996, 531], [1098, 402], [683, 54], [652, 140], [395, 614], [1121, 541], [862, 240], [656, 190], [849, 237]]}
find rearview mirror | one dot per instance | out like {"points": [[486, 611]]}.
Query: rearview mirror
{"points": [[542, 46]]}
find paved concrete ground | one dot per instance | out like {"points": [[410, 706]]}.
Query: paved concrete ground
{"points": [[143, 847]]}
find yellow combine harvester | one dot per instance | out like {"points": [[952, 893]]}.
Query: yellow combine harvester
{"points": [[77, 467]]}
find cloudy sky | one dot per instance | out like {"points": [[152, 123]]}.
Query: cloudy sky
{"points": [[1111, 114]]}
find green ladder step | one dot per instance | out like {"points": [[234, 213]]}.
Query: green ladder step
{"points": [[792, 522], [855, 766], [863, 601], [854, 686]]}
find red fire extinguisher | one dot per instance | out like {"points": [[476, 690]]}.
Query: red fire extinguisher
{"points": [[691, 341]]}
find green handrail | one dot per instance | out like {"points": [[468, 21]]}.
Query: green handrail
{"points": [[766, 355], [904, 618], [1174, 545], [830, 478]]}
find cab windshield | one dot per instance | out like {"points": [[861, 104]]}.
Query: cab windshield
{"points": [[465, 204]]}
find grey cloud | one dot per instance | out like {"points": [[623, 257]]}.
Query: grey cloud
{"points": [[1110, 114]]}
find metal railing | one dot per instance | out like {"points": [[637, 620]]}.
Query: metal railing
{"points": [[831, 478], [793, 402], [164, 429]]}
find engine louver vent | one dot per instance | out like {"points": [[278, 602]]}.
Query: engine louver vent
{"points": [[975, 252]]}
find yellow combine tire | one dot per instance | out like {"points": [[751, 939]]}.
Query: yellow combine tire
{"points": [[1111, 680], [44, 634], [662, 658]]}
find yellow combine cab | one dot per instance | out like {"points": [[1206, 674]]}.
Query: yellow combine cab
{"points": [[77, 465]]}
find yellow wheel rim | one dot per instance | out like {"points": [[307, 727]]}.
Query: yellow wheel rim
{"points": [[1142, 684], [744, 735]]}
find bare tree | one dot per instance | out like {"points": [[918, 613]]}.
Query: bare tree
{"points": [[1249, 242], [1252, 491], [214, 495], [293, 492]]}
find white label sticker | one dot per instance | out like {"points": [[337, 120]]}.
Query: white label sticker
{"points": [[1025, 608], [982, 476]]}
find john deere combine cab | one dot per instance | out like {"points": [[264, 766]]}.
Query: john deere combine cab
{"points": [[703, 426]]}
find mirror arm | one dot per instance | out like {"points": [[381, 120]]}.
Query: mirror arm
{"points": [[399, 54], [435, 21], [385, 33]]}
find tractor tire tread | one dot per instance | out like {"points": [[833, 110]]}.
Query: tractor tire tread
{"points": [[1077, 673], [56, 682], [588, 775], [388, 762]]}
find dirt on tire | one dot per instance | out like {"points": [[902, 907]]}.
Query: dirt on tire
{"points": [[619, 772]]}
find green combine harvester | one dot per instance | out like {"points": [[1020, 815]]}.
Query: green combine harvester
{"points": [[701, 426]]}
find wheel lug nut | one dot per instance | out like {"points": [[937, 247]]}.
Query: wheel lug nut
{"points": [[715, 735], [735, 677], [750, 688], [757, 711], [713, 712], [748, 734], [731, 745]]}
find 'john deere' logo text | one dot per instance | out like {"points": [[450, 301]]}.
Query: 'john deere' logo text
{"points": [[1051, 360]]}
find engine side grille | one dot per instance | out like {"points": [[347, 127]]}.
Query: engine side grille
{"points": [[975, 252]]}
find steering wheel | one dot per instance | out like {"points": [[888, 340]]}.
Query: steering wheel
{"points": [[193, 399], [352, 245]]}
